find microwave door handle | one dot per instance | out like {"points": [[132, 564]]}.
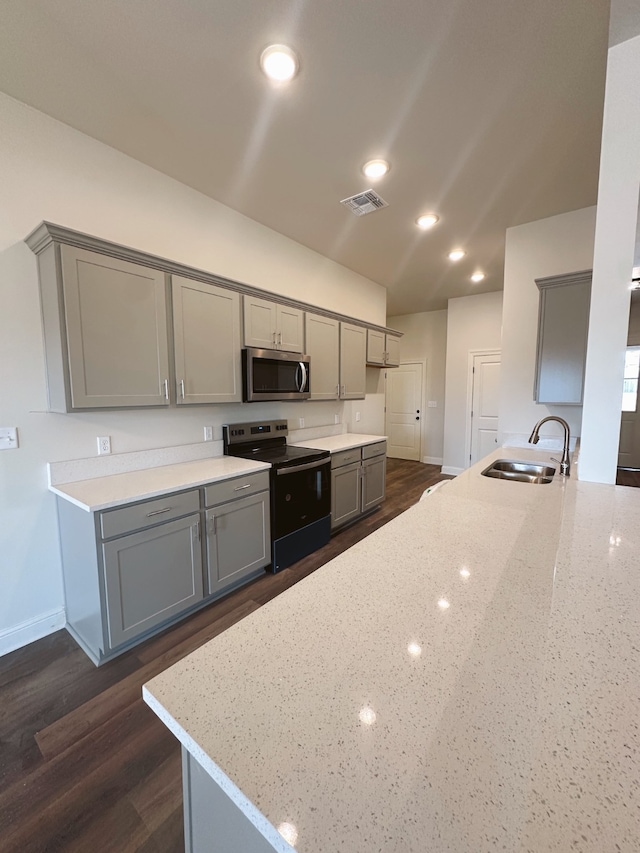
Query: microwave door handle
{"points": [[303, 376]]}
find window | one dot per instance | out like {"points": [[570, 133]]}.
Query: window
{"points": [[630, 387]]}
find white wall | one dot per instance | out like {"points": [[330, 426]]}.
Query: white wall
{"points": [[618, 192], [49, 171], [559, 244], [425, 339], [473, 324]]}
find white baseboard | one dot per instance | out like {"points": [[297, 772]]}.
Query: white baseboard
{"points": [[432, 460], [33, 629], [448, 469]]}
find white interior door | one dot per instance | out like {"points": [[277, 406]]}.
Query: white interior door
{"points": [[403, 420], [485, 400]]}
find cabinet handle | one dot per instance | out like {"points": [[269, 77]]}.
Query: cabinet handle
{"points": [[338, 390], [240, 488], [198, 530], [343, 390], [279, 339], [182, 388], [166, 389], [275, 343], [212, 525], [159, 511]]}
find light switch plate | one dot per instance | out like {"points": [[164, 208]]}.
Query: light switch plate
{"points": [[432, 404], [357, 416], [8, 438], [208, 433]]}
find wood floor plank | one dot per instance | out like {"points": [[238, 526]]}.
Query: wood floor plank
{"points": [[59, 736], [107, 775]]}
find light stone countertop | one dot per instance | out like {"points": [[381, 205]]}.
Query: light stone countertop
{"points": [[466, 679], [346, 441], [118, 489]]}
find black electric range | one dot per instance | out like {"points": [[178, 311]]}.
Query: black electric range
{"points": [[300, 487]]}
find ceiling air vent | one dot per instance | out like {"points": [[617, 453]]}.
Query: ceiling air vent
{"points": [[363, 203]]}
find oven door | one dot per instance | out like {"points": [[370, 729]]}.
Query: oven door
{"points": [[301, 494], [272, 375]]}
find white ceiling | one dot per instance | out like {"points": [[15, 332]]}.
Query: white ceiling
{"points": [[489, 111]]}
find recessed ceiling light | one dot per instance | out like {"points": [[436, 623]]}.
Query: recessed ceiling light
{"points": [[376, 168], [477, 276], [279, 63], [427, 221], [456, 255]]}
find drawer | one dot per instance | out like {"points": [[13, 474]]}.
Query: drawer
{"points": [[377, 449], [116, 522], [346, 457], [237, 487]]}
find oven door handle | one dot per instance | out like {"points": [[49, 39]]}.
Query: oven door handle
{"points": [[305, 467], [303, 375]]}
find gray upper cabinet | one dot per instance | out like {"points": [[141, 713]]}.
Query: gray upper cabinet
{"points": [[270, 325], [563, 326], [392, 358], [322, 336], [353, 353], [105, 328], [382, 350], [206, 332]]}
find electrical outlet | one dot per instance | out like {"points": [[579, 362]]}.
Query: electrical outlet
{"points": [[336, 419], [301, 422], [208, 433], [104, 445], [357, 416], [432, 404]]}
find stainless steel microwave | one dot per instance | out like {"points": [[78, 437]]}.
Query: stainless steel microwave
{"points": [[274, 375]]}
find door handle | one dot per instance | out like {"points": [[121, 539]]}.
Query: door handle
{"points": [[417, 418]]}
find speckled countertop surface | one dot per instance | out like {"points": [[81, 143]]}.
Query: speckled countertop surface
{"points": [[118, 489], [334, 443], [464, 680]]}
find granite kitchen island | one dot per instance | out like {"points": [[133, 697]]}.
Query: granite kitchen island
{"points": [[466, 679]]}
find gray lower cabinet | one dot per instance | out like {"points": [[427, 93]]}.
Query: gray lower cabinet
{"points": [[237, 530], [150, 576], [132, 570], [357, 482]]}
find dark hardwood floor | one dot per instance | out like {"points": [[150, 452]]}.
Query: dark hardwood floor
{"points": [[84, 764]]}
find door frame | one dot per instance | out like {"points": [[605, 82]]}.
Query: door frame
{"points": [[472, 353], [423, 401]]}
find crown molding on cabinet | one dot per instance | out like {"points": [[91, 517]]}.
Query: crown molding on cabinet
{"points": [[48, 232]]}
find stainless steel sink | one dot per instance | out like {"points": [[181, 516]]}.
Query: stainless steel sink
{"points": [[522, 472]]}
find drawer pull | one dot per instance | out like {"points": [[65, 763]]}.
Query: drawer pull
{"points": [[240, 488], [159, 511]]}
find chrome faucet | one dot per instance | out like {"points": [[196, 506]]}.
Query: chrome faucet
{"points": [[565, 464]]}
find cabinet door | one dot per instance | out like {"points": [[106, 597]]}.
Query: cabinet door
{"points": [[238, 540], [206, 328], [290, 329], [563, 328], [375, 347], [323, 346], [345, 494], [115, 314], [260, 323], [353, 351], [373, 481], [393, 351], [151, 576]]}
